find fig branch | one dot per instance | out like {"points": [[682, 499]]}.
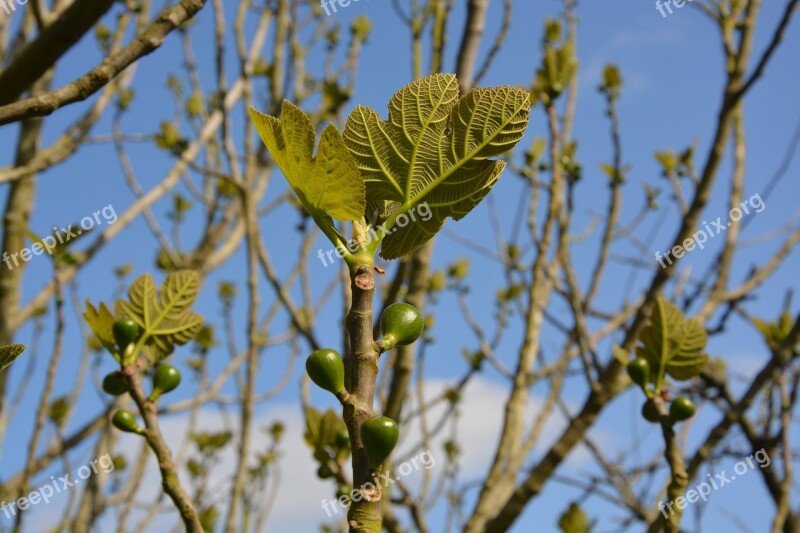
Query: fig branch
{"points": [[155, 440], [141, 333], [361, 374], [396, 205]]}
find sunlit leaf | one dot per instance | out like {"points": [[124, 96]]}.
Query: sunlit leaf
{"points": [[435, 148], [101, 321], [329, 184], [165, 319]]}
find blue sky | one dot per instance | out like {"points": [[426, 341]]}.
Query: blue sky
{"points": [[673, 72]]}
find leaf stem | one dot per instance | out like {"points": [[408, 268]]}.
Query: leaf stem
{"points": [[334, 236]]}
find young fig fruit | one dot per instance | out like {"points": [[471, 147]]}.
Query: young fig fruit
{"points": [[681, 409], [342, 439], [379, 435], [401, 324], [125, 332], [639, 371], [324, 472], [326, 370], [650, 412], [115, 384], [165, 379], [124, 421], [343, 491]]}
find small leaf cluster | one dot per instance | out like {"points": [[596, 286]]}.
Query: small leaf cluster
{"points": [[574, 520], [676, 164], [326, 435], [670, 345], [612, 82], [775, 333], [558, 68], [435, 149], [150, 323], [163, 317]]}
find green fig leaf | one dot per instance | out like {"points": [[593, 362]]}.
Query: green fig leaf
{"points": [[673, 343], [328, 185], [165, 318], [101, 322], [434, 149]]}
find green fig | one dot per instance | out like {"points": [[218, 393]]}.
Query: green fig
{"points": [[124, 421], [165, 379], [324, 472], [379, 435], [115, 384], [650, 412], [125, 332], [401, 324], [639, 371], [343, 491], [342, 439], [326, 369], [681, 409]]}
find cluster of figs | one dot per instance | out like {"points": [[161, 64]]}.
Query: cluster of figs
{"points": [[681, 408], [401, 324], [166, 378]]}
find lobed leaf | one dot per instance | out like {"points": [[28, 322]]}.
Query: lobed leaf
{"points": [[328, 185], [101, 322], [164, 316], [672, 342], [435, 148]]}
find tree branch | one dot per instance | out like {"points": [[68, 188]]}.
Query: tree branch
{"points": [[88, 84]]}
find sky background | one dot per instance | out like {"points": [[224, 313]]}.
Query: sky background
{"points": [[673, 71]]}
